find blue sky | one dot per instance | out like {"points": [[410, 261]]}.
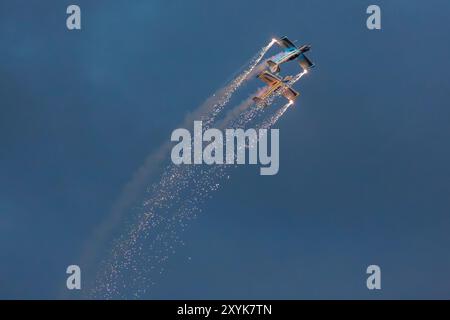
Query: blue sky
{"points": [[364, 175]]}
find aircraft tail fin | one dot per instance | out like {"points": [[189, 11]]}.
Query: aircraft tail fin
{"points": [[273, 66]]}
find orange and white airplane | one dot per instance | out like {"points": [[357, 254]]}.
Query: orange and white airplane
{"points": [[275, 84]]}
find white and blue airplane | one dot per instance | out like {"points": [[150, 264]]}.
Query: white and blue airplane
{"points": [[289, 53]]}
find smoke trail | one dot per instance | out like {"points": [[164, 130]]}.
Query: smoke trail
{"points": [[207, 112], [240, 114], [235, 84]]}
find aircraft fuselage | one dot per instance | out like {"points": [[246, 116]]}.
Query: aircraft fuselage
{"points": [[287, 55]]}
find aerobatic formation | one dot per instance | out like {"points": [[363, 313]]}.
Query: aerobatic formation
{"points": [[142, 250], [274, 82], [189, 149]]}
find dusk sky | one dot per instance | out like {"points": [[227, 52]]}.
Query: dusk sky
{"points": [[364, 153]]}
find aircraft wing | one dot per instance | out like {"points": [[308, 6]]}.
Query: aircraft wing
{"points": [[290, 94], [304, 62], [269, 78], [285, 42]]}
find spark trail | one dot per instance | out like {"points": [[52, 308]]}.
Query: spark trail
{"points": [[249, 114], [166, 196], [140, 254], [206, 112], [290, 83]]}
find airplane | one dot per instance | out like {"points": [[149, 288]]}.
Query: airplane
{"points": [[290, 52], [275, 84]]}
